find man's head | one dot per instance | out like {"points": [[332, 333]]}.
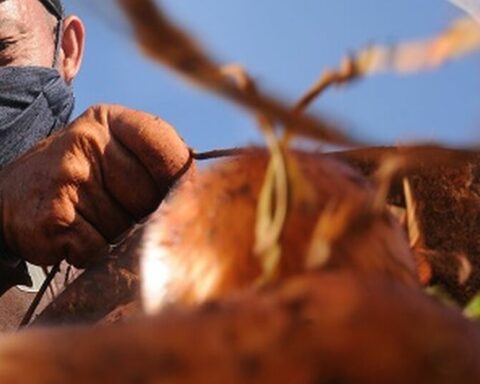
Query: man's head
{"points": [[28, 36]]}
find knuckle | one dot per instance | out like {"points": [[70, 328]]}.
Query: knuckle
{"points": [[92, 127], [87, 148], [86, 140], [86, 133], [71, 171], [102, 113], [96, 110], [57, 218]]}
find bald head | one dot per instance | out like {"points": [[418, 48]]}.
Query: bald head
{"points": [[27, 33]]}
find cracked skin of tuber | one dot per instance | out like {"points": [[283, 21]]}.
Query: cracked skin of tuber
{"points": [[331, 327]]}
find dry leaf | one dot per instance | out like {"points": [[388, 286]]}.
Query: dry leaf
{"points": [[460, 39], [414, 232], [165, 42], [388, 168], [470, 6], [273, 200], [272, 207]]}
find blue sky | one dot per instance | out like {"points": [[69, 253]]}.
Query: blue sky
{"points": [[285, 44]]}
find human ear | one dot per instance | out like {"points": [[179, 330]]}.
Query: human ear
{"points": [[72, 47]]}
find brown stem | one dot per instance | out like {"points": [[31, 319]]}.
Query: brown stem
{"points": [[36, 301], [346, 73], [219, 153]]}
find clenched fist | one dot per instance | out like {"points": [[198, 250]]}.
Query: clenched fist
{"points": [[80, 189]]}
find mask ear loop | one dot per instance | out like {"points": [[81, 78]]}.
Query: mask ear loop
{"points": [[58, 42]]}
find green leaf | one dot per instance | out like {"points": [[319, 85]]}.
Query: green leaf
{"points": [[472, 310]]}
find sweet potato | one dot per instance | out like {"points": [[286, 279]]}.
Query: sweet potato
{"points": [[199, 245], [330, 327]]}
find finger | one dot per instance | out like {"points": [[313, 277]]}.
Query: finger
{"points": [[113, 167], [155, 143], [76, 241], [128, 182], [81, 243], [82, 187], [102, 212]]}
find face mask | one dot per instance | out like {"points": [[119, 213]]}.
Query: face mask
{"points": [[34, 103]]}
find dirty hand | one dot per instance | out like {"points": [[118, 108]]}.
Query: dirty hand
{"points": [[80, 189]]}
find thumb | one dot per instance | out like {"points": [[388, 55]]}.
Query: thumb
{"points": [[154, 142]]}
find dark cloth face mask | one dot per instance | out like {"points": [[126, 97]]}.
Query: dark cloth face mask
{"points": [[34, 103]]}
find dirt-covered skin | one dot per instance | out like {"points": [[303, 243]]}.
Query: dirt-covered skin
{"points": [[334, 327], [84, 302], [203, 236], [93, 179]]}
